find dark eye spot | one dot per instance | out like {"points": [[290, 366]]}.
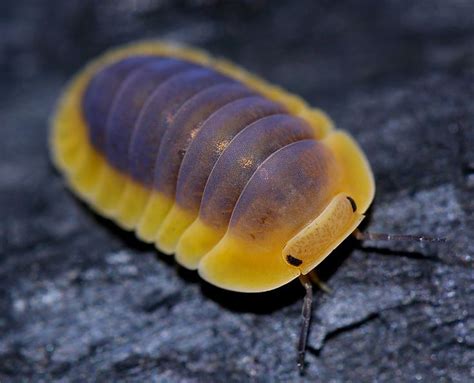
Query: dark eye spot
{"points": [[293, 261], [353, 204]]}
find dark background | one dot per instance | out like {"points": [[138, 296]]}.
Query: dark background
{"points": [[81, 300]]}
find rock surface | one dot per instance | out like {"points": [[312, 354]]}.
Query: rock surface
{"points": [[81, 300]]}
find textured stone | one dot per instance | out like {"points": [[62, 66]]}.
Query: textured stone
{"points": [[81, 300]]}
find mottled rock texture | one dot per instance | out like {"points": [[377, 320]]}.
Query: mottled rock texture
{"points": [[81, 300]]}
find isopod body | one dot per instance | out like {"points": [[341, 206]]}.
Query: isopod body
{"points": [[241, 180]]}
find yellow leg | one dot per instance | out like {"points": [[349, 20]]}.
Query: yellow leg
{"points": [[318, 282]]}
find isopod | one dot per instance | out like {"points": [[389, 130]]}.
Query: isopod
{"points": [[242, 181]]}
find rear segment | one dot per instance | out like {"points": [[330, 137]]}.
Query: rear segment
{"points": [[242, 180]]}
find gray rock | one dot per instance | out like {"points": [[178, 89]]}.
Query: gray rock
{"points": [[81, 300]]}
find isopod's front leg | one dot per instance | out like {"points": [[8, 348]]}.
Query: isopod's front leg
{"points": [[313, 274]]}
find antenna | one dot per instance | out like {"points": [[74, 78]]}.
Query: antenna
{"points": [[395, 237], [307, 284], [305, 320]]}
